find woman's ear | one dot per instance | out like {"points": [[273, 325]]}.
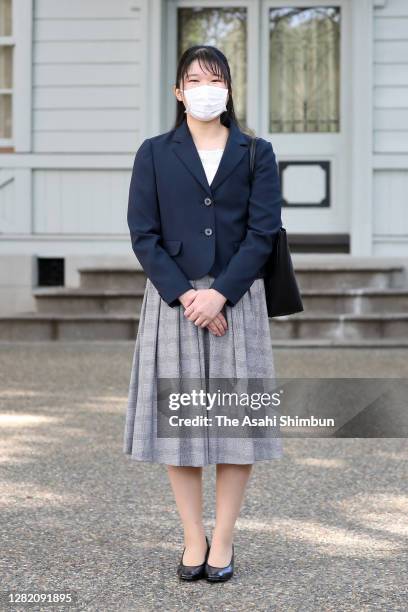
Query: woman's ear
{"points": [[178, 93]]}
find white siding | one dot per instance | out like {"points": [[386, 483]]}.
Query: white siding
{"points": [[391, 77], [390, 202], [15, 201], [80, 202], [390, 117], [87, 75], [7, 201]]}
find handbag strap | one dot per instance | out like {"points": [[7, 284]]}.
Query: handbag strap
{"points": [[252, 148], [252, 157]]}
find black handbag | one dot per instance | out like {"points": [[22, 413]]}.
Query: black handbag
{"points": [[281, 288]]}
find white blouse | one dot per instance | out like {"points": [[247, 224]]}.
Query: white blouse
{"points": [[210, 159]]}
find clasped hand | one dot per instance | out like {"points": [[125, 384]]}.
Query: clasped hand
{"points": [[203, 307]]}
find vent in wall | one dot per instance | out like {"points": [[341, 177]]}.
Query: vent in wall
{"points": [[50, 271]]}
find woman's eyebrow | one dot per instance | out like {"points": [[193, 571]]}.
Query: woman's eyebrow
{"points": [[196, 74]]}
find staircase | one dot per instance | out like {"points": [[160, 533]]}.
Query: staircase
{"points": [[348, 302]]}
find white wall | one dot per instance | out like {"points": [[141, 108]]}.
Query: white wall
{"points": [[87, 75], [80, 202], [64, 194], [88, 79], [390, 138]]}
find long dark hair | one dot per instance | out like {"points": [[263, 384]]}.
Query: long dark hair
{"points": [[213, 60]]}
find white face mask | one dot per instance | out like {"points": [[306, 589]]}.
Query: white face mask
{"points": [[205, 102]]}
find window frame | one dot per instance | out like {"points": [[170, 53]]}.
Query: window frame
{"points": [[266, 5], [21, 43], [302, 4], [252, 51]]}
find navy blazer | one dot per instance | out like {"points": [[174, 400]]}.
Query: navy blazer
{"points": [[182, 228]]}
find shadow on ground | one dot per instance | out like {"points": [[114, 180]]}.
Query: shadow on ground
{"points": [[324, 528]]}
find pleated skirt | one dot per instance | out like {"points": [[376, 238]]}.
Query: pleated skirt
{"points": [[168, 345]]}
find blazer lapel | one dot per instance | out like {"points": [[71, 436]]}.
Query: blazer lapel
{"points": [[184, 147]]}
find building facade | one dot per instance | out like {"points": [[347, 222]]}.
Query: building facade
{"points": [[82, 83]]}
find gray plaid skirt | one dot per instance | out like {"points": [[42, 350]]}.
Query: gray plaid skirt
{"points": [[168, 345]]}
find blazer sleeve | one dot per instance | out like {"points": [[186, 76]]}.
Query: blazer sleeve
{"points": [[263, 224], [143, 217]]}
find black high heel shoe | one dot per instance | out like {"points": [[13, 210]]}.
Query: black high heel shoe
{"points": [[220, 574], [192, 572]]}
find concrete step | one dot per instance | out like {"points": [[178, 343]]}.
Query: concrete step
{"points": [[333, 343], [340, 327], [374, 343], [48, 326], [310, 275], [348, 276], [80, 301], [112, 278], [312, 328], [355, 301]]}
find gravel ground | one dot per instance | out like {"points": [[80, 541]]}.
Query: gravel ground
{"points": [[324, 528]]}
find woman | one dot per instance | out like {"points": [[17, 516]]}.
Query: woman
{"points": [[202, 233]]}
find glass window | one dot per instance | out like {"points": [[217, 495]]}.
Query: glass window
{"points": [[304, 69], [6, 70], [5, 17], [225, 28]]}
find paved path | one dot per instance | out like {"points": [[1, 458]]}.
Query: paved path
{"points": [[325, 528]]}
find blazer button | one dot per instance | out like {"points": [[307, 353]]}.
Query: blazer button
{"points": [[208, 231], [207, 201]]}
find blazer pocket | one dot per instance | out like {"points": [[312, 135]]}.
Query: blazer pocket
{"points": [[172, 247]]}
